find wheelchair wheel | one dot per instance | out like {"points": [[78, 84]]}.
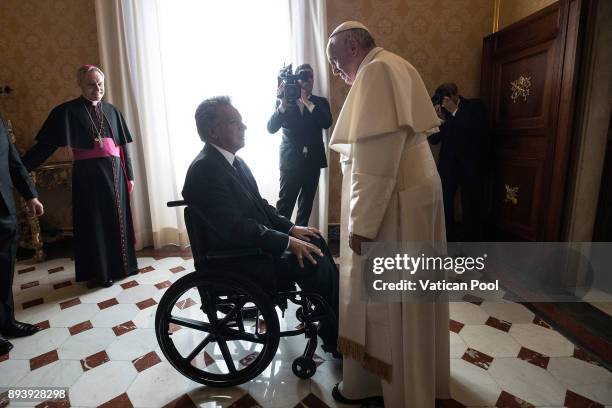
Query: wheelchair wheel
{"points": [[203, 329], [304, 367]]}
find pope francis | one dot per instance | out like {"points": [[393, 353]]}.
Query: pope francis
{"points": [[391, 192]]}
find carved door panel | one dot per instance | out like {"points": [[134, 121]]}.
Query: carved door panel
{"points": [[528, 82]]}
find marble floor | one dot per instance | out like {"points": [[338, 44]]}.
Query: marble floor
{"points": [[100, 344]]}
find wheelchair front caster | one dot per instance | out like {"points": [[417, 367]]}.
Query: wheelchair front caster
{"points": [[304, 367], [299, 314]]}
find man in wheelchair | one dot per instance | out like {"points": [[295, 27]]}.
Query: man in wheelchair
{"points": [[221, 188]]}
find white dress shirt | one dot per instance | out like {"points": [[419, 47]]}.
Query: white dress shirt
{"points": [[228, 155]]}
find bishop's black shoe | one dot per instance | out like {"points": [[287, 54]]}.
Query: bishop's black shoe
{"points": [[19, 329], [107, 284]]}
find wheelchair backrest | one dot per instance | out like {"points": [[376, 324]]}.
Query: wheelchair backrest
{"points": [[253, 263], [196, 230]]}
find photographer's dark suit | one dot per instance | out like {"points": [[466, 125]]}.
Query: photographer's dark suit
{"points": [[12, 173], [460, 165], [227, 198], [302, 155]]}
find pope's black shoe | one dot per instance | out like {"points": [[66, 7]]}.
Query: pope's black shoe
{"points": [[5, 346], [107, 284], [19, 329], [376, 401]]}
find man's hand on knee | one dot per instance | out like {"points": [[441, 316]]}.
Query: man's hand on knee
{"points": [[303, 249], [304, 233]]}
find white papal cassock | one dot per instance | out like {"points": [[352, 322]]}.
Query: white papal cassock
{"points": [[391, 192]]}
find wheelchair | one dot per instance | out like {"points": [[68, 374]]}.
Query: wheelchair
{"points": [[219, 325]]}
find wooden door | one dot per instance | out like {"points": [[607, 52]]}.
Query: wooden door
{"points": [[603, 222], [528, 82]]}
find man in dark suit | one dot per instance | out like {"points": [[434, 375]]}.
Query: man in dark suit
{"points": [[302, 152], [461, 159], [221, 187], [12, 173]]}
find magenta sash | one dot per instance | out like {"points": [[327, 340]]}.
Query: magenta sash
{"points": [[108, 149]]}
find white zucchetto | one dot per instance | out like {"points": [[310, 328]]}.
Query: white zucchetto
{"points": [[348, 25]]}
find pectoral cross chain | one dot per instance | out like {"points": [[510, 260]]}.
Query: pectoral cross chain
{"points": [[98, 130]]}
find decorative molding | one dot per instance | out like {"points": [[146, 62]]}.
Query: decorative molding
{"points": [[496, 13], [511, 194]]}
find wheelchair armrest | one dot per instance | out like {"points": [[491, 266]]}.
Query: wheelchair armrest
{"points": [[176, 203], [233, 253]]}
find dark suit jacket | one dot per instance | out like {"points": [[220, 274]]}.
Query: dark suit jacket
{"points": [[235, 217], [12, 173], [462, 136], [302, 130]]}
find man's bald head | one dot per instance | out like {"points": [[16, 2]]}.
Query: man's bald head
{"points": [[348, 45]]}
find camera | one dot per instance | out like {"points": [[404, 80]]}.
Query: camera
{"points": [[293, 90], [439, 97]]}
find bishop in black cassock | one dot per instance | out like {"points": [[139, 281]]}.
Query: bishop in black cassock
{"points": [[101, 181]]}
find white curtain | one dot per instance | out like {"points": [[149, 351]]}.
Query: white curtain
{"points": [[163, 58], [120, 90], [308, 25]]}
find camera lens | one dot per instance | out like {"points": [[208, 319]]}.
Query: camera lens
{"points": [[292, 91]]}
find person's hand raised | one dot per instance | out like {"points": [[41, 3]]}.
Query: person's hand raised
{"points": [[449, 104]]}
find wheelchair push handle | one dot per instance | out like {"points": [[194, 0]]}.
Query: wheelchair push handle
{"points": [[177, 203]]}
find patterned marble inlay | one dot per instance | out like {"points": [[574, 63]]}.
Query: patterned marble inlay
{"points": [[106, 351], [455, 326], [70, 303], [146, 361], [477, 358], [79, 328], [534, 357], [43, 359], [129, 284], [94, 360], [124, 328], [108, 303]]}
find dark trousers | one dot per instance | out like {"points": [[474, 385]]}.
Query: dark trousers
{"points": [[321, 279], [300, 184], [8, 251], [467, 178]]}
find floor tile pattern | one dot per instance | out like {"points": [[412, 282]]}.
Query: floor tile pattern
{"points": [[100, 343]]}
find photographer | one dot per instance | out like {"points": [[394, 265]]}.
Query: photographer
{"points": [[462, 133], [302, 153]]}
